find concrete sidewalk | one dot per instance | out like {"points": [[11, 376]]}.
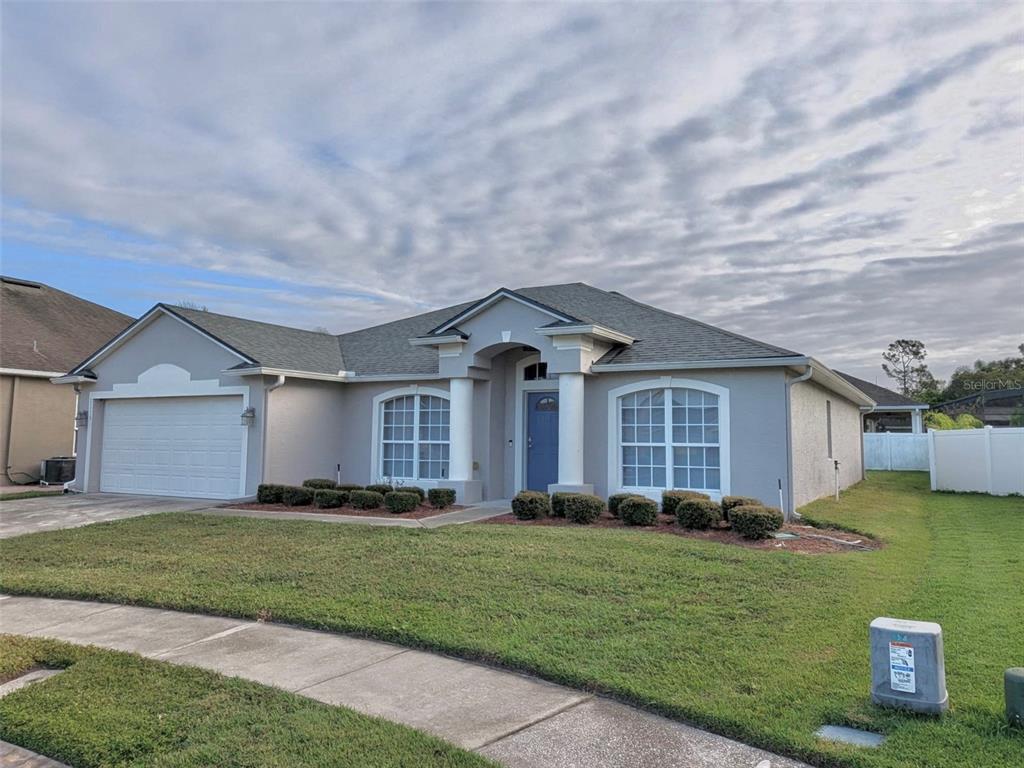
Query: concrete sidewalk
{"points": [[516, 720]]}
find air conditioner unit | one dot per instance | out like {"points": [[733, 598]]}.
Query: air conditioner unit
{"points": [[57, 470]]}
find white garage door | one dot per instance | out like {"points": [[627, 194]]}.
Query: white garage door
{"points": [[173, 446]]}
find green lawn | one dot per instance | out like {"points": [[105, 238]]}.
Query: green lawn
{"points": [[118, 709], [763, 646]]}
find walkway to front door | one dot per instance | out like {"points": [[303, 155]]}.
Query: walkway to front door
{"points": [[541, 440]]}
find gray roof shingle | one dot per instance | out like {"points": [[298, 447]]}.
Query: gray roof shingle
{"points": [[49, 330], [882, 396]]}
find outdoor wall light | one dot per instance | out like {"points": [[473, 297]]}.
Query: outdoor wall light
{"points": [[81, 418], [248, 417]]}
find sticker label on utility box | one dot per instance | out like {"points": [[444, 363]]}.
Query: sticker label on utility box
{"points": [[901, 667]]}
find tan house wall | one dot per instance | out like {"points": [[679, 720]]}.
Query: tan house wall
{"points": [[813, 469], [37, 421]]}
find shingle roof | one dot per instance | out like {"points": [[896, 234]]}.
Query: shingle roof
{"points": [[45, 329], [882, 396], [269, 345]]}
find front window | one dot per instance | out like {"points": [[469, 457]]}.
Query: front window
{"points": [[414, 437], [669, 438]]}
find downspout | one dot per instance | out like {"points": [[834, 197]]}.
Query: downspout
{"points": [[790, 510], [278, 383]]}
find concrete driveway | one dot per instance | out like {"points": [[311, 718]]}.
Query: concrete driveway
{"points": [[48, 513]]}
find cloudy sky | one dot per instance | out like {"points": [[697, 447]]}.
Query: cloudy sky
{"points": [[825, 177]]}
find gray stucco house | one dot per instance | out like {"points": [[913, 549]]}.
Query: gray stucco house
{"points": [[551, 387]]}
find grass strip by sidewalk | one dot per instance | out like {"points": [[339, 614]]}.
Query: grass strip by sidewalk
{"points": [[762, 646], [119, 709]]}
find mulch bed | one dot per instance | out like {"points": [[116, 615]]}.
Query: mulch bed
{"points": [[423, 510], [808, 543]]}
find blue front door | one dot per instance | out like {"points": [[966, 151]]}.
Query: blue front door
{"points": [[541, 440]]}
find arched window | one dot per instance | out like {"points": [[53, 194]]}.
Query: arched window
{"points": [[535, 372], [414, 437], [670, 437]]}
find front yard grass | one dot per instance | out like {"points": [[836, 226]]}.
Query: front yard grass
{"points": [[118, 709], [759, 645]]}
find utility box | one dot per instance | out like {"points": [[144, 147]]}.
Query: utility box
{"points": [[1013, 680], [908, 670]]}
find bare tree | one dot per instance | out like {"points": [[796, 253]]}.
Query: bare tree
{"points": [[187, 304], [904, 362]]}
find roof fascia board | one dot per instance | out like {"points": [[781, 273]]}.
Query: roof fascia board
{"points": [[433, 341], [498, 295], [371, 377], [265, 371], [141, 323], [829, 379], [29, 373], [72, 379], [597, 331], [901, 408], [750, 362]]}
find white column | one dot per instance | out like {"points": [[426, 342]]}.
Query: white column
{"points": [[915, 422], [460, 456], [570, 429]]}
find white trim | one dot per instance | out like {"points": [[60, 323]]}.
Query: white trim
{"points": [[750, 362], [501, 293], [383, 377], [167, 380], [597, 331], [898, 408], [264, 371], [725, 455], [433, 341], [376, 427], [831, 380], [30, 374], [69, 379], [144, 321], [522, 387]]}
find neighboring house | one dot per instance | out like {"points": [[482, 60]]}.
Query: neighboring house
{"points": [[552, 387], [43, 332], [893, 413]]}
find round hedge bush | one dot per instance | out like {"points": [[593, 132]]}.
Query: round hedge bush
{"points": [[558, 503], [441, 497], [755, 522], [328, 499], [319, 483], [420, 493], [731, 502], [295, 496], [582, 508], [365, 499], [270, 494], [699, 514], [639, 510], [616, 499], [529, 505], [398, 502], [380, 488], [349, 487], [670, 500]]}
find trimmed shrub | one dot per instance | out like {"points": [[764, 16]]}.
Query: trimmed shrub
{"points": [[319, 483], [297, 496], [670, 499], [582, 508], [731, 502], [529, 505], [365, 499], [270, 494], [700, 514], [639, 510], [398, 502], [325, 498], [755, 522], [420, 493], [558, 503], [441, 497], [380, 488], [349, 487], [616, 499]]}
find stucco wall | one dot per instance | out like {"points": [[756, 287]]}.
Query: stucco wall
{"points": [[36, 422], [165, 340], [813, 470], [307, 431]]}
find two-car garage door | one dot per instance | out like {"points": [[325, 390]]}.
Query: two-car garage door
{"points": [[173, 446]]}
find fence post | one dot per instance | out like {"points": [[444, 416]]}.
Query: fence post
{"points": [[888, 445], [988, 458], [931, 460]]}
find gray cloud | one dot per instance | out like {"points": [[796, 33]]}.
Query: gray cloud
{"points": [[725, 162]]}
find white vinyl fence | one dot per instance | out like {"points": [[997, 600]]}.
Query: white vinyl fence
{"points": [[896, 450], [986, 460]]}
